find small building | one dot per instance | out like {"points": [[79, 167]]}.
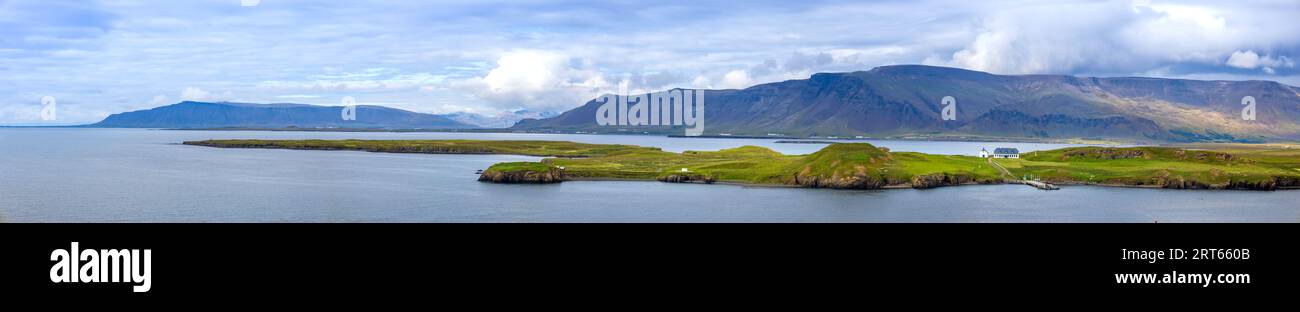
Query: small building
{"points": [[1004, 152], [984, 153]]}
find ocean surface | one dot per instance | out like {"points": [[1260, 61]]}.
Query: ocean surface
{"points": [[137, 175]]}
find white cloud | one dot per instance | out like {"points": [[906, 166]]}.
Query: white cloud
{"points": [[538, 80], [736, 79], [195, 94], [1252, 60], [1112, 37], [159, 100], [1055, 38], [527, 71], [200, 95], [1246, 59], [701, 82]]}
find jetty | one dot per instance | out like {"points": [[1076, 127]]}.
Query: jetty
{"points": [[1041, 185], [1007, 173]]}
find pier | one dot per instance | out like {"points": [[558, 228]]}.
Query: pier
{"points": [[1041, 185], [1007, 173]]}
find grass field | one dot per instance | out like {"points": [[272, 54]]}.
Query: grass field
{"points": [[527, 148], [861, 165], [1241, 167]]}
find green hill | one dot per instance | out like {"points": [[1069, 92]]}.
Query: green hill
{"points": [[1165, 167], [906, 101], [853, 165]]}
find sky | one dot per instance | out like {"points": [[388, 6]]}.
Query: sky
{"points": [[494, 57]]}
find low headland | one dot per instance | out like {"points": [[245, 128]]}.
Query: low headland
{"points": [[853, 165]]}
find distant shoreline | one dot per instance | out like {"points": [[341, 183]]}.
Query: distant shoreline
{"points": [[781, 139], [831, 139], [838, 166]]}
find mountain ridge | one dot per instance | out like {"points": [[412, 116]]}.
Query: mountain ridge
{"points": [[905, 100], [193, 114]]}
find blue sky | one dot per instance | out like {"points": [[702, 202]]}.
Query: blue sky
{"points": [[488, 57]]}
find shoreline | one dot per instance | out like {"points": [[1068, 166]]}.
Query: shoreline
{"points": [[909, 186], [579, 157], [1149, 186], [824, 139]]}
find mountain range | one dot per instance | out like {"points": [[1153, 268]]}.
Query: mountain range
{"points": [[906, 100], [503, 120], [242, 115], [887, 101]]}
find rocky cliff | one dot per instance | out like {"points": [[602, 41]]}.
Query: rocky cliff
{"points": [[688, 178], [551, 175], [906, 100], [927, 181]]}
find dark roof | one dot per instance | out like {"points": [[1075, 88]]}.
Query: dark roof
{"points": [[1003, 150]]}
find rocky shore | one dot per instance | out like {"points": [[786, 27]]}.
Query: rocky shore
{"points": [[1265, 185], [929, 181], [847, 182], [917, 182], [553, 175], [859, 166], [687, 178]]}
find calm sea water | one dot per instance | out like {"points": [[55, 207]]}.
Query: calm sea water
{"points": [[129, 175]]}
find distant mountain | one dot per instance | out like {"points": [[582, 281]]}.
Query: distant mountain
{"points": [[242, 115], [905, 100], [504, 120]]}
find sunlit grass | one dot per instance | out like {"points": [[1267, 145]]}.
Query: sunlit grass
{"points": [[759, 165]]}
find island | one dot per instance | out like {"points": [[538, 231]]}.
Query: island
{"points": [[854, 165]]}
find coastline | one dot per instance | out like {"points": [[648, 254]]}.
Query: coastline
{"points": [[591, 162], [790, 139], [901, 186], [821, 139]]}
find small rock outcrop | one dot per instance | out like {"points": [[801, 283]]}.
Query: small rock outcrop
{"points": [[927, 181], [838, 181], [1261, 185], [688, 178], [553, 175]]}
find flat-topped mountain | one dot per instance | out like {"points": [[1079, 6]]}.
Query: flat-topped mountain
{"points": [[906, 100], [241, 115]]}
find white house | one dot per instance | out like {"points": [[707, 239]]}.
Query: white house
{"points": [[1003, 152], [984, 153]]}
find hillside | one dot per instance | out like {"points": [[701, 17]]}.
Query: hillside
{"points": [[904, 100], [193, 115], [1164, 167], [851, 165]]}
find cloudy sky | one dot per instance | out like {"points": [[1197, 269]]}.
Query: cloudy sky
{"points": [[488, 57]]}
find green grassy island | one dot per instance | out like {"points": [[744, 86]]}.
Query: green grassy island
{"points": [[853, 165]]}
